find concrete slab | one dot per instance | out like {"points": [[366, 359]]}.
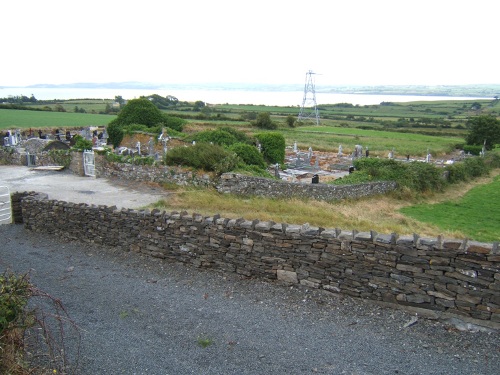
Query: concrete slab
{"points": [[65, 186]]}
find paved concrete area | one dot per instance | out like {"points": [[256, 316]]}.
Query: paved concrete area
{"points": [[65, 186]]}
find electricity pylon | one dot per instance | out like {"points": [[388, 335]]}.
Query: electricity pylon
{"points": [[309, 110]]}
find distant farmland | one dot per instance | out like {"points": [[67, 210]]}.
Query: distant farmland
{"points": [[19, 119]]}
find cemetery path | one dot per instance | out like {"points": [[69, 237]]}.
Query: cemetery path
{"points": [[140, 315], [65, 186]]}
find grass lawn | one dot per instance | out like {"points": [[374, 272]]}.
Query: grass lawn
{"points": [[476, 214]]}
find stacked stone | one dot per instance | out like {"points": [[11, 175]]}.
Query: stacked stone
{"points": [[248, 185], [458, 277]]}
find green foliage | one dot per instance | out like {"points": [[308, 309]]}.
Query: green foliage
{"points": [[140, 111], [204, 341], [15, 291], [483, 130], [472, 149], [249, 154], [290, 121], [143, 111], [263, 121], [273, 147], [175, 123], [415, 176], [238, 134], [218, 137], [205, 156], [162, 102], [82, 143], [115, 133]]}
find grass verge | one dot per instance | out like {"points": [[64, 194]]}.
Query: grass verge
{"points": [[476, 214], [383, 213]]}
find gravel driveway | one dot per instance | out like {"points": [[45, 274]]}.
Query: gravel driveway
{"points": [[139, 315]]}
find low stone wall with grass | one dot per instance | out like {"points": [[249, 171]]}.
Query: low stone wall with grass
{"points": [[456, 277], [246, 185], [151, 173]]}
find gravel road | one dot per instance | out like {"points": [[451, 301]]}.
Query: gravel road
{"points": [[138, 315]]}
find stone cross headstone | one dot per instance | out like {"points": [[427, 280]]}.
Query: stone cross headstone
{"points": [[150, 146]]}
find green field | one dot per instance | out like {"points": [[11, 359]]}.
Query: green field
{"points": [[477, 214], [379, 142], [20, 119]]}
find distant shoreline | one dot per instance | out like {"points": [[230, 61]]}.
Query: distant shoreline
{"points": [[479, 90]]}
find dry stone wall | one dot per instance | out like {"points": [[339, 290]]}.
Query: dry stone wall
{"points": [[446, 276], [246, 185]]}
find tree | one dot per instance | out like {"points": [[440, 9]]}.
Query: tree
{"points": [[264, 121], [290, 121], [273, 147], [483, 130], [115, 134], [143, 112], [119, 100], [140, 111]]}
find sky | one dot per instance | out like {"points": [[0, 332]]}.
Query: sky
{"points": [[346, 42]]}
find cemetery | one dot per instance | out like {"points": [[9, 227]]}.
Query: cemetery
{"points": [[436, 276]]}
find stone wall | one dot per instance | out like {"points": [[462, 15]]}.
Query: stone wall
{"points": [[456, 277], [15, 156], [227, 183], [246, 185], [151, 173]]}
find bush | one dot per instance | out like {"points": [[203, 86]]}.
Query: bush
{"points": [[81, 143], [264, 121], [273, 147], [238, 134], [203, 156], [142, 111], [248, 154], [115, 133], [175, 123], [218, 137], [473, 150], [415, 176]]}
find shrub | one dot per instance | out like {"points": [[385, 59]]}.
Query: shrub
{"points": [[115, 133], [248, 154], [82, 143], [238, 134], [218, 137], [175, 123], [264, 121], [142, 111], [273, 147], [415, 176], [472, 149], [203, 156]]}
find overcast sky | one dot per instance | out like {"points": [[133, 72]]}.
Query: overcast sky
{"points": [[358, 42]]}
